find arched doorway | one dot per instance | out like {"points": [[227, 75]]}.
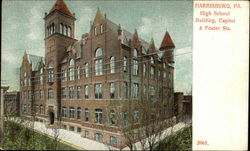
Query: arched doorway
{"points": [[52, 118]]}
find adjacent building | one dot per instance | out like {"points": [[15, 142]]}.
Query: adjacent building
{"points": [[76, 82]]}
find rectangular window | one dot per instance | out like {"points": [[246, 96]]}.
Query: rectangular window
{"points": [[98, 67], [79, 129], [152, 72], [72, 128], [71, 92], [112, 117], [98, 91], [135, 67], [72, 112], [125, 87], [98, 116], [135, 90], [86, 134], [65, 127], [50, 93], [125, 118], [78, 72], [113, 141], [112, 90], [64, 93], [144, 69], [79, 113], [40, 94], [87, 114], [79, 92], [86, 91], [50, 75], [98, 137], [64, 112], [64, 75]]}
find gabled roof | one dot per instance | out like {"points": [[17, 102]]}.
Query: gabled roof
{"points": [[167, 42], [62, 7], [35, 61]]}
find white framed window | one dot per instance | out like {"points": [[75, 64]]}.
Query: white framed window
{"points": [[71, 112], [79, 92], [71, 69], [112, 90], [78, 72], [98, 116], [50, 75], [98, 62], [87, 70], [87, 115], [86, 91], [98, 91], [79, 113], [125, 62], [112, 64], [64, 111], [135, 67]]}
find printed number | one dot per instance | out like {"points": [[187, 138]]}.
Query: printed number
{"points": [[202, 143]]}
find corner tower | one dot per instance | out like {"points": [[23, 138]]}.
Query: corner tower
{"points": [[59, 35]]}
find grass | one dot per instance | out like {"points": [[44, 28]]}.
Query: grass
{"points": [[19, 137], [182, 141]]}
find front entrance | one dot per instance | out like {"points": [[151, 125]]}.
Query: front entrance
{"points": [[51, 118]]}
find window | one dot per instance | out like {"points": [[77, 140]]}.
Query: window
{"points": [[145, 91], [64, 75], [98, 91], [53, 28], [144, 69], [98, 137], [72, 112], [71, 70], [164, 71], [159, 73], [112, 117], [135, 90], [78, 72], [79, 113], [112, 65], [65, 127], [87, 70], [95, 31], [98, 116], [79, 92], [125, 63], [98, 62], [41, 109], [50, 93], [25, 79], [41, 76], [101, 29], [125, 118], [64, 112], [125, 86], [152, 72], [79, 129], [40, 94], [71, 92], [51, 75], [136, 116], [135, 53], [72, 128], [86, 91], [69, 31], [113, 141], [64, 93], [61, 28], [152, 60], [112, 90], [135, 67], [86, 134], [87, 114]]}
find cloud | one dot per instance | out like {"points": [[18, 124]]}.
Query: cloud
{"points": [[10, 57], [34, 24]]}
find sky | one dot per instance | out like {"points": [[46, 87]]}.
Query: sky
{"points": [[23, 29]]}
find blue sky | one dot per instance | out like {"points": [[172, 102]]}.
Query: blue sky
{"points": [[23, 29]]}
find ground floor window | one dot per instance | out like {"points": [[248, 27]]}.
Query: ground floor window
{"points": [[113, 140], [65, 127], [86, 134], [79, 129], [72, 128], [98, 137]]}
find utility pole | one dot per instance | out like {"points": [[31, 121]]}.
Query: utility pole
{"points": [[3, 90]]}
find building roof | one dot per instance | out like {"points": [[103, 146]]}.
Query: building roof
{"points": [[62, 7], [35, 61], [167, 42]]}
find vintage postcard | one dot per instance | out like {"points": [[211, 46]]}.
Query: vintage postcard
{"points": [[124, 75]]}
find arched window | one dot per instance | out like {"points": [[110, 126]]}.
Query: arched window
{"points": [[101, 28], [79, 113], [98, 62], [112, 65], [164, 71], [25, 79], [95, 31], [71, 69], [41, 76], [65, 30], [135, 63], [69, 31], [78, 72], [125, 63], [61, 28], [135, 53], [87, 70], [71, 112], [152, 60]]}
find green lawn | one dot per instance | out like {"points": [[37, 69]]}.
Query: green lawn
{"points": [[18, 137], [182, 141]]}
